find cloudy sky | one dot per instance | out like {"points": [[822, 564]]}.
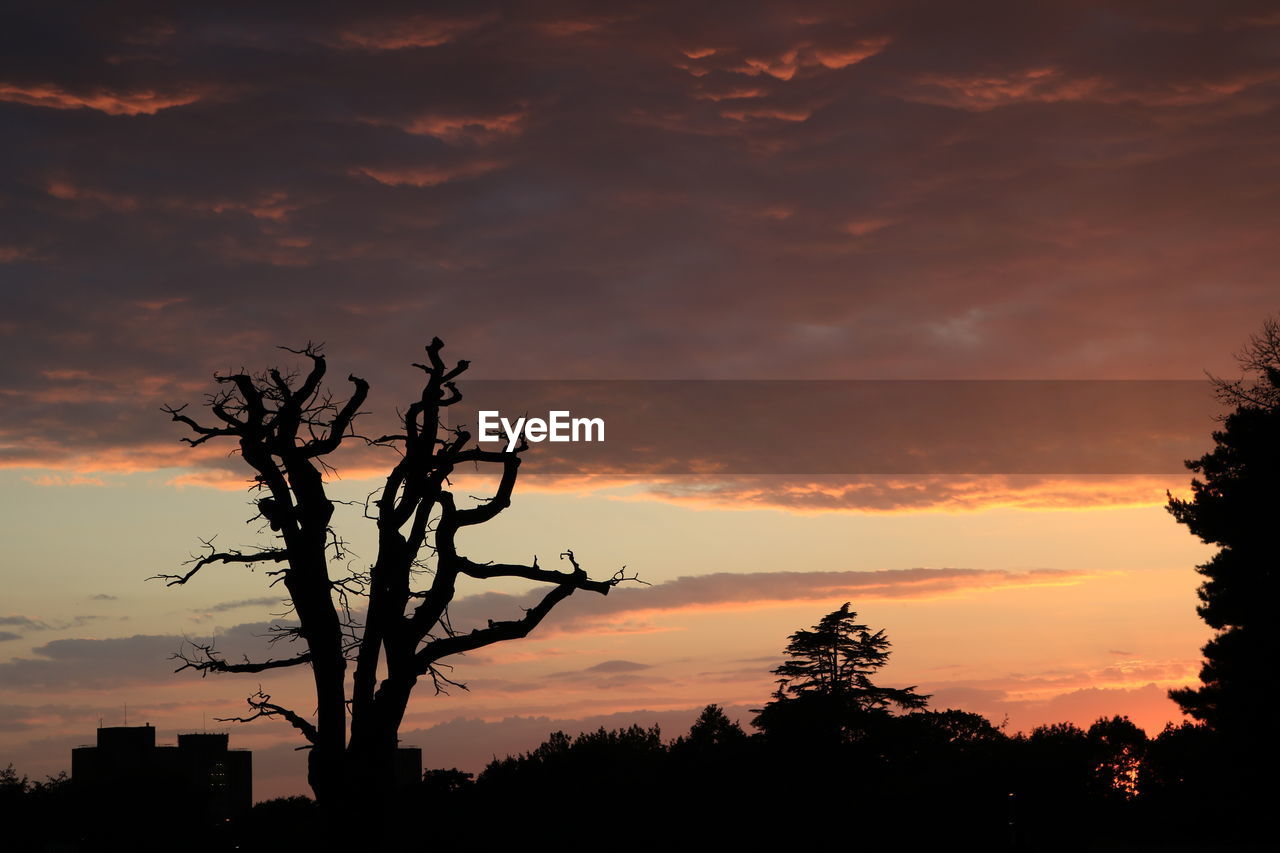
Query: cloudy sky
{"points": [[632, 191]]}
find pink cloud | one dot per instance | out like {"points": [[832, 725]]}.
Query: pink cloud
{"points": [[627, 609], [112, 102], [403, 33]]}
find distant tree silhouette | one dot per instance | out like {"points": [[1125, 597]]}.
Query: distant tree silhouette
{"points": [[584, 774], [712, 730], [295, 818], [448, 781], [286, 426], [38, 815], [1235, 505], [12, 788], [1181, 781], [825, 688], [949, 728], [619, 759], [1118, 748]]}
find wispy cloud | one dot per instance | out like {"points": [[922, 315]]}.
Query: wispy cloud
{"points": [[224, 606], [98, 664], [631, 608], [112, 102]]}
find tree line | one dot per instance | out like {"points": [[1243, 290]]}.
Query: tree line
{"points": [[832, 755]]}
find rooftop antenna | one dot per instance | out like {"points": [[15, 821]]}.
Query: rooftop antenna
{"points": [[126, 713]]}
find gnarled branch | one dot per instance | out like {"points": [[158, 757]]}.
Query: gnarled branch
{"points": [[516, 629], [269, 555], [210, 661], [263, 707]]}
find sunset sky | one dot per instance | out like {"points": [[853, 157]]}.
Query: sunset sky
{"points": [[626, 191]]}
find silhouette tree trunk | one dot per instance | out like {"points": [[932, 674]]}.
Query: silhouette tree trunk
{"points": [[286, 427]]}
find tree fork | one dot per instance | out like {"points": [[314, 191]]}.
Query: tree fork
{"points": [[285, 428]]}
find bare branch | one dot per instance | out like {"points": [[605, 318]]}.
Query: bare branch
{"points": [[263, 707], [271, 555], [341, 422], [312, 382], [204, 432], [485, 571], [441, 682], [206, 659], [498, 632]]}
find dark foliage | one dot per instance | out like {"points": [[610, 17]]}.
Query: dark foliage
{"points": [[825, 693], [925, 780], [1235, 505], [35, 813]]}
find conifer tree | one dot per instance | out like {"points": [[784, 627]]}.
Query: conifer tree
{"points": [[825, 688], [1235, 504]]}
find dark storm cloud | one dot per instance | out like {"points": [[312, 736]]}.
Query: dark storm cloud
{"points": [[735, 190]]}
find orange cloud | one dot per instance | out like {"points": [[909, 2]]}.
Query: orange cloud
{"points": [[1194, 93], [475, 128], [572, 26], [793, 115], [116, 103], [68, 191], [981, 92], [837, 58], [274, 206], [786, 64], [46, 454], [270, 206], [863, 227], [626, 609], [914, 494], [1047, 85], [428, 176], [415, 31], [9, 254], [1135, 686], [730, 94], [782, 66], [66, 480], [1122, 675], [158, 304]]}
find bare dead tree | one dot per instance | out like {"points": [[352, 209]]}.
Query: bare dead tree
{"points": [[286, 426]]}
